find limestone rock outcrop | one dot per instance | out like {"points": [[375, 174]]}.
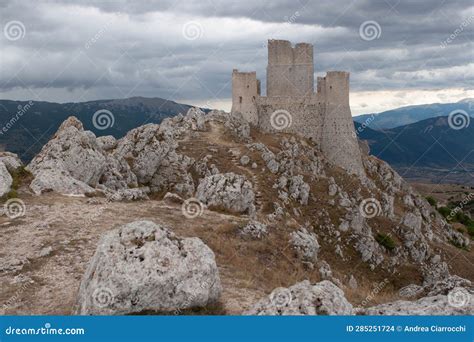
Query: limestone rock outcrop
{"points": [[305, 244], [73, 156], [254, 230], [74, 150], [227, 191], [5, 180], [11, 161], [151, 152], [59, 181], [439, 305], [107, 142], [144, 267], [304, 298]]}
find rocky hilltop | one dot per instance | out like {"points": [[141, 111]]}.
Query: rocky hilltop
{"points": [[205, 214]]}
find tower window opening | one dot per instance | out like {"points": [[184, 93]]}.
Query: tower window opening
{"points": [[240, 99]]}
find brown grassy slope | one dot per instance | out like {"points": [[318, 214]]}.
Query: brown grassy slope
{"points": [[248, 269]]}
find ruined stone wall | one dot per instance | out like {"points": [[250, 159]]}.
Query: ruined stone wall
{"points": [[338, 139], [290, 70], [303, 116], [245, 90]]}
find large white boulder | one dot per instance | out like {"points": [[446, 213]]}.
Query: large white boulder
{"points": [[304, 298], [227, 191], [143, 267]]}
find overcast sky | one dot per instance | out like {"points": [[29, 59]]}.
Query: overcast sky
{"points": [[398, 52]]}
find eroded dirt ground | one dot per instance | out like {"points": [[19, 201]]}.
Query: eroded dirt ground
{"points": [[45, 252]]}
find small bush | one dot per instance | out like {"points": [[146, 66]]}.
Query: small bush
{"points": [[385, 240], [470, 229], [463, 218], [19, 176], [444, 211], [431, 201], [12, 194]]}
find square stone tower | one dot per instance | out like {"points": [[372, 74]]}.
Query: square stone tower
{"points": [[245, 89], [290, 70]]}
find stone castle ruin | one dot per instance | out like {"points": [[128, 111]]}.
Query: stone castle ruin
{"points": [[292, 106]]}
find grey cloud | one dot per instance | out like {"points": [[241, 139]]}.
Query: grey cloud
{"points": [[83, 45]]}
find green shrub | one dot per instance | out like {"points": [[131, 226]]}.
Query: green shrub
{"points": [[431, 201], [470, 229], [444, 211], [19, 175], [12, 194], [385, 240], [463, 218]]}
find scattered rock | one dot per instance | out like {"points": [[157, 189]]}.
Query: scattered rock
{"points": [[299, 189], [12, 264], [445, 285], [410, 291], [45, 251], [353, 282], [333, 188], [172, 198], [305, 244], [128, 194], [427, 306], [254, 230], [244, 160], [304, 298], [325, 270]]}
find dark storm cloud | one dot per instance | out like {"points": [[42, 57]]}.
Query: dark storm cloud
{"points": [[187, 49]]}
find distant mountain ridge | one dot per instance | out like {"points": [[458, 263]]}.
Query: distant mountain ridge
{"points": [[429, 149], [28, 125], [428, 144], [411, 114]]}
